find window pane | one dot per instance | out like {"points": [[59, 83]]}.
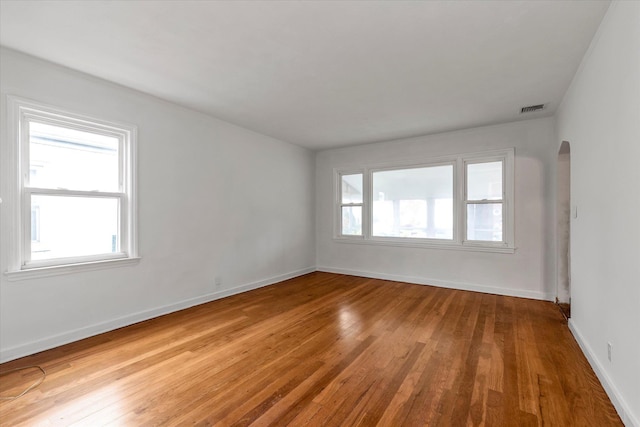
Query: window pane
{"points": [[352, 220], [60, 157], [484, 181], [35, 224], [414, 203], [351, 188], [73, 226], [484, 222]]}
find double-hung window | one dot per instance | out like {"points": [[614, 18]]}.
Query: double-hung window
{"points": [[75, 188], [484, 201], [351, 201], [463, 201]]}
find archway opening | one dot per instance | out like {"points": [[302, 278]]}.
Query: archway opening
{"points": [[563, 229]]}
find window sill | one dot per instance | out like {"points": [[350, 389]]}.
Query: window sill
{"points": [[426, 245], [36, 273]]}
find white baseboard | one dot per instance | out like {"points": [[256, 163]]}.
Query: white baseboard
{"points": [[99, 328], [444, 284], [618, 401]]}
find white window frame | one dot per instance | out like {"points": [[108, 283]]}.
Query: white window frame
{"points": [[506, 201], [459, 240], [338, 202], [21, 112]]}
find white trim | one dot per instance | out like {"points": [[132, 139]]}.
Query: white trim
{"points": [[11, 162], [102, 327], [89, 122], [622, 407], [130, 159], [430, 163], [72, 193], [59, 270], [69, 261], [424, 244], [521, 293]]}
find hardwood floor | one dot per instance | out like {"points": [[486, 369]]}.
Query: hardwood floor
{"points": [[323, 349]]}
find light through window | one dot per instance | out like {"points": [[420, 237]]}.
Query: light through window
{"points": [[72, 159], [413, 203]]}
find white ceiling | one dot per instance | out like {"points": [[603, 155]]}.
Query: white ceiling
{"points": [[322, 73]]}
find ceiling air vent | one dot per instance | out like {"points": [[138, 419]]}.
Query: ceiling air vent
{"points": [[531, 108]]}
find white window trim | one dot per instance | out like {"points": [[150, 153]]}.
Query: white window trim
{"points": [[459, 241], [20, 111]]}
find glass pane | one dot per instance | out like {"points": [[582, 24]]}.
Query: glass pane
{"points": [[414, 203], [75, 160], [352, 220], [484, 222], [73, 226], [484, 181], [351, 188]]}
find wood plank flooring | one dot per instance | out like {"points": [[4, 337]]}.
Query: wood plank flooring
{"points": [[323, 349]]}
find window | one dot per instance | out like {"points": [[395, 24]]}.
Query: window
{"points": [[351, 201], [413, 203], [75, 199], [463, 202], [484, 200]]}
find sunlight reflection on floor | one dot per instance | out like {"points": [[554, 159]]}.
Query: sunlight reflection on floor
{"points": [[82, 411]]}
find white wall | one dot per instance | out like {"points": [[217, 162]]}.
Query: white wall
{"points": [[214, 200], [529, 272], [600, 117]]}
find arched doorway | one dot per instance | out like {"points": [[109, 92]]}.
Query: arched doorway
{"points": [[563, 229]]}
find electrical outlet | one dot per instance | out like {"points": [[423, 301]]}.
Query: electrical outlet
{"points": [[609, 349], [218, 281]]}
